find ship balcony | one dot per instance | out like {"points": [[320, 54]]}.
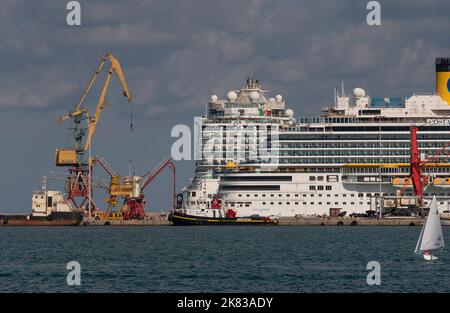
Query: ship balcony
{"points": [[365, 180]]}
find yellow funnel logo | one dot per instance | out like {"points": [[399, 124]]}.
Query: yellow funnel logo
{"points": [[443, 85]]}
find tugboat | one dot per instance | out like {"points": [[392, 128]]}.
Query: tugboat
{"points": [[49, 208], [215, 214]]}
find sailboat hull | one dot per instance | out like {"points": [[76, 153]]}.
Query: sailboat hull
{"points": [[430, 257]]}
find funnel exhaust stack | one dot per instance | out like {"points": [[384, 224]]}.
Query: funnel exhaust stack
{"points": [[443, 78]]}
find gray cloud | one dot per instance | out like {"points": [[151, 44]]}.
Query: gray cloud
{"points": [[176, 54]]}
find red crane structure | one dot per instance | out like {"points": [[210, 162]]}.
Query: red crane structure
{"points": [[135, 206], [420, 180], [415, 171]]}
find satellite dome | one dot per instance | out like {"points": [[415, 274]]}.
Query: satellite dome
{"points": [[359, 92], [232, 96], [272, 100], [289, 112], [279, 98], [214, 98], [254, 96]]}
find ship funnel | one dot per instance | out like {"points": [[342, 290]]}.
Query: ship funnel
{"points": [[443, 78]]}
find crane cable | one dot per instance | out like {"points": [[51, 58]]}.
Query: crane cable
{"points": [[131, 116]]}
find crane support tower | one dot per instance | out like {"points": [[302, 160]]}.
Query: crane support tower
{"points": [[415, 170]]}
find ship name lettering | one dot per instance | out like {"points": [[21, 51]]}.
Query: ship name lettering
{"points": [[445, 122]]}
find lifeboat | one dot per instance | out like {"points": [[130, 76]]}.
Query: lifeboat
{"points": [[441, 181], [402, 181]]}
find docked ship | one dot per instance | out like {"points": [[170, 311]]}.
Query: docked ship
{"points": [[258, 159], [49, 208]]}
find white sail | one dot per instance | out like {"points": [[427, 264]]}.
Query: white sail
{"points": [[431, 237], [419, 242]]}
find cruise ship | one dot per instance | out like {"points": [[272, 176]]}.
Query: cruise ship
{"points": [[256, 158]]}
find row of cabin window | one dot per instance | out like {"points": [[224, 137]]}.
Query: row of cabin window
{"points": [[319, 203], [360, 195], [312, 187], [344, 195], [328, 203], [330, 178], [272, 195]]}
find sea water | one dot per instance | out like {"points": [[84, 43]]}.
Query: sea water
{"points": [[218, 259]]}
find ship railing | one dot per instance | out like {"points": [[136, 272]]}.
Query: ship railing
{"points": [[250, 119], [424, 93], [425, 197], [354, 119]]}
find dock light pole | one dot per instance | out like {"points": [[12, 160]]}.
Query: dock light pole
{"points": [[379, 167]]}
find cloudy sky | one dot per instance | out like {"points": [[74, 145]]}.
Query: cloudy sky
{"points": [[175, 54]]}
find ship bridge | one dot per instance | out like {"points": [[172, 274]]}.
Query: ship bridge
{"points": [[251, 101]]}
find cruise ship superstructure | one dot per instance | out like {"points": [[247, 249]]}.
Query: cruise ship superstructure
{"points": [[352, 158]]}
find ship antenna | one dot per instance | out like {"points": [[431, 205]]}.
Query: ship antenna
{"points": [[335, 96], [44, 183], [342, 86], [130, 165]]}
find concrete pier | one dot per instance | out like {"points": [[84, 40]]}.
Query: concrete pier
{"points": [[348, 221], [161, 219], [151, 219]]}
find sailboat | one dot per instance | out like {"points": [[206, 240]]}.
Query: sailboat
{"points": [[431, 238]]}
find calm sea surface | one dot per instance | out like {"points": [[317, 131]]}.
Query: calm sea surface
{"points": [[218, 259]]}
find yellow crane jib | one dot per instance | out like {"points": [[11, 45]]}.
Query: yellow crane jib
{"points": [[71, 157]]}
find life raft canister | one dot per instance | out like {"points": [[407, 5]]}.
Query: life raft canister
{"points": [[215, 204]]}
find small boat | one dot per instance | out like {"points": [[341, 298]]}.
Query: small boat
{"points": [[431, 238]]}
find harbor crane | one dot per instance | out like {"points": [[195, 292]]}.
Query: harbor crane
{"points": [[78, 184], [416, 176], [134, 204], [130, 188]]}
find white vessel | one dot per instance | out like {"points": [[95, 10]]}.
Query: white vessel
{"points": [[45, 202], [431, 238], [259, 160]]}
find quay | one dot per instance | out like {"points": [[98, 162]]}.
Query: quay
{"points": [[161, 219], [150, 219], [348, 221]]}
